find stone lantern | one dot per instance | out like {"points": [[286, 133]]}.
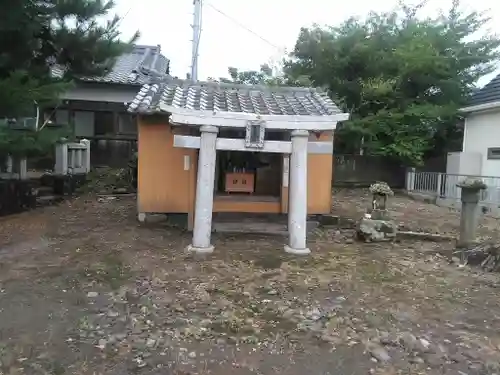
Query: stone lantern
{"points": [[380, 191]]}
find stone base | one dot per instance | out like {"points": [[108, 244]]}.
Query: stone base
{"points": [[291, 250], [377, 214], [151, 218], [200, 250], [370, 230]]}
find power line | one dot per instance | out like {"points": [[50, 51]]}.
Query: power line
{"points": [[281, 49]]}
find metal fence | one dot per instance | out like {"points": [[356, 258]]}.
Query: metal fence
{"points": [[441, 188]]}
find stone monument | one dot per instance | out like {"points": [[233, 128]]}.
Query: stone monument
{"points": [[377, 225], [470, 197]]}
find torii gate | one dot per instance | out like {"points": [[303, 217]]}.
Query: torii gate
{"points": [[255, 127]]}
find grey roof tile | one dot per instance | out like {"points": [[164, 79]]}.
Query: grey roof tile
{"points": [[225, 97], [142, 65], [488, 94]]}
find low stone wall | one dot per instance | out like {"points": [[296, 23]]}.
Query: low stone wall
{"points": [[17, 196]]}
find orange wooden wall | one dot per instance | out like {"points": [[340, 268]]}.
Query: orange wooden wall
{"points": [[319, 178], [163, 184], [165, 187]]}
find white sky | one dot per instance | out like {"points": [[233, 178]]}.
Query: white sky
{"points": [[224, 43]]}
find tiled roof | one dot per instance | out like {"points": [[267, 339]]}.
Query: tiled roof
{"points": [[142, 65], [488, 94], [226, 97]]}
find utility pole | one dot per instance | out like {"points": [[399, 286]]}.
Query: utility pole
{"points": [[197, 14]]}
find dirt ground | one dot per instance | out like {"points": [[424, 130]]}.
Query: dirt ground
{"points": [[85, 289]]}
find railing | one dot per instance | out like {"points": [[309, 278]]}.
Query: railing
{"points": [[442, 189], [73, 158], [15, 168]]}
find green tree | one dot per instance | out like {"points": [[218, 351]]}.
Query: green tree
{"points": [[401, 77], [266, 75], [38, 35]]}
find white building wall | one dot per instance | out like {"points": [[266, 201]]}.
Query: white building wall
{"points": [[482, 131], [102, 93]]}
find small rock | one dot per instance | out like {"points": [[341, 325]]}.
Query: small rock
{"points": [[92, 294], [416, 360], [457, 357], [472, 354], [113, 314], [120, 336], [378, 352], [349, 241], [326, 337], [409, 341], [314, 314], [272, 292], [140, 363], [150, 343], [426, 344], [192, 355], [288, 314], [434, 360], [102, 344], [389, 339], [179, 308]]}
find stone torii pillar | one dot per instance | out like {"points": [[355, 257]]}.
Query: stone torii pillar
{"points": [[202, 230], [297, 206]]}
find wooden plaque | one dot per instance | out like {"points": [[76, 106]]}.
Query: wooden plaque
{"points": [[240, 182]]}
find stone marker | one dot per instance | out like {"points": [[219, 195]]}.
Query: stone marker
{"points": [[471, 189], [377, 225]]}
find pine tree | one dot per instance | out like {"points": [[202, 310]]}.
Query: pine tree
{"points": [[36, 35]]}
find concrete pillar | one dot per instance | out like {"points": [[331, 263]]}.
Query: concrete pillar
{"points": [[23, 168], [9, 164], [202, 230], [471, 190], [297, 201], [79, 160], [86, 155], [61, 167]]}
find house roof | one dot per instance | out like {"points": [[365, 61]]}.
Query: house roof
{"points": [[488, 94], [485, 98], [173, 95], [140, 66]]}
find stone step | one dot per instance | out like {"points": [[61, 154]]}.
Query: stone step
{"points": [[48, 200], [257, 227]]}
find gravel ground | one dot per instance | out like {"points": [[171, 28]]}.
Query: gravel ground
{"points": [[85, 289]]}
